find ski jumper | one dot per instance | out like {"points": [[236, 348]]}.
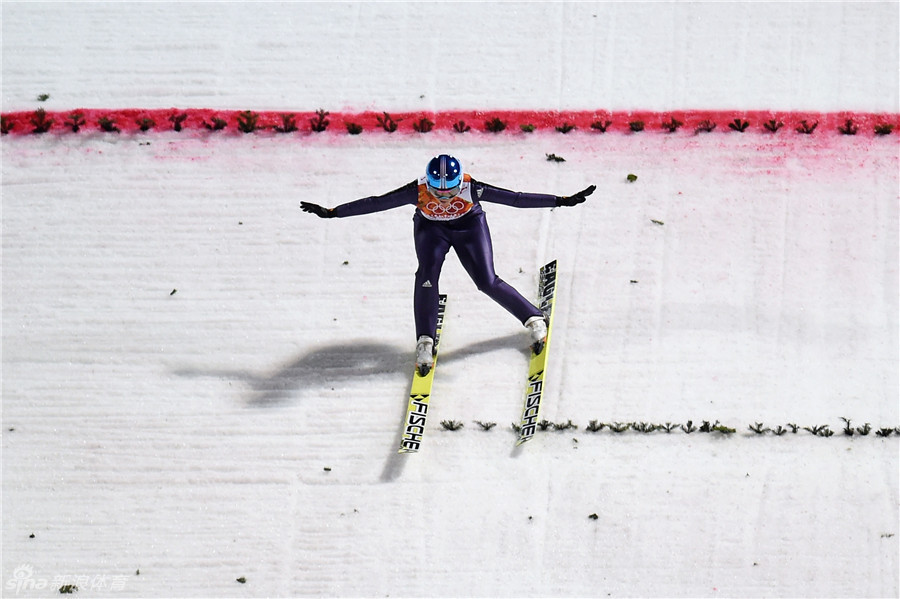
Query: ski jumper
{"points": [[459, 223]]}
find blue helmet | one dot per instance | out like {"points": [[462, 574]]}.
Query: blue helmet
{"points": [[444, 172]]}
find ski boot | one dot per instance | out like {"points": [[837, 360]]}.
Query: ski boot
{"points": [[424, 355], [537, 328]]}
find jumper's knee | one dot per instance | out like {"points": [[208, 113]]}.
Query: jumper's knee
{"points": [[488, 285]]}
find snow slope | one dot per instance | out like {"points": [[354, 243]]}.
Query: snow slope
{"points": [[423, 55], [201, 383]]}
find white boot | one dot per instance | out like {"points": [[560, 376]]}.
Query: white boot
{"points": [[424, 354], [537, 328]]}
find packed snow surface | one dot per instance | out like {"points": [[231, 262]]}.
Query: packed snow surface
{"points": [[399, 56], [203, 387]]}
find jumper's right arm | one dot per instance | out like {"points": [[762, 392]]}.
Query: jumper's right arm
{"points": [[408, 194]]}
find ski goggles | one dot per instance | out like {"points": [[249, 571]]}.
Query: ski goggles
{"points": [[443, 194]]}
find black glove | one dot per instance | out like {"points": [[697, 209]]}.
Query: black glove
{"points": [[576, 198], [317, 210]]}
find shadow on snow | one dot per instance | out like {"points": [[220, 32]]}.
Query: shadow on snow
{"points": [[324, 368]]}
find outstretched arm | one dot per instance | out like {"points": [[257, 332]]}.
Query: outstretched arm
{"points": [[498, 195], [401, 196]]}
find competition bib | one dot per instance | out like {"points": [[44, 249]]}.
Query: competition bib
{"points": [[433, 208]]}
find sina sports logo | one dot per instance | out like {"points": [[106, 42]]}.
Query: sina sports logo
{"points": [[23, 580]]}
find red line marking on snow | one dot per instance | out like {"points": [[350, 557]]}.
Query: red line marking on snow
{"points": [[201, 119]]}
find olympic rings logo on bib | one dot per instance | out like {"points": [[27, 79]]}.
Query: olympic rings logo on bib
{"points": [[434, 209], [440, 211]]}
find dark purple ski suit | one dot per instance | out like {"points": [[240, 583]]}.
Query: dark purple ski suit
{"points": [[459, 224]]}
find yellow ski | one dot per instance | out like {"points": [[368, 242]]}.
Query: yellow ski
{"points": [[537, 366], [419, 394]]}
